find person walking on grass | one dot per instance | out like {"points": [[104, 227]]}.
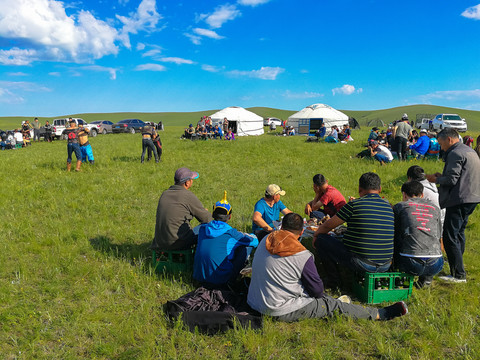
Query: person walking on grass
{"points": [[73, 145], [459, 194], [285, 282]]}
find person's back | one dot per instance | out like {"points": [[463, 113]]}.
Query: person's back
{"points": [[221, 250], [177, 206], [433, 147], [403, 129]]}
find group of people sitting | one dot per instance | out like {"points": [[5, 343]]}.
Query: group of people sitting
{"points": [[206, 130], [336, 135], [22, 136]]}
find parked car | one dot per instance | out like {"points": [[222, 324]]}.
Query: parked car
{"points": [[423, 124], [268, 121], [59, 126], [128, 126], [442, 121], [103, 126]]}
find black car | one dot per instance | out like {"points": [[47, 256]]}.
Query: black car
{"points": [[128, 126]]}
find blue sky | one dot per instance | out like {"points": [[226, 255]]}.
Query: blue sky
{"points": [[60, 58]]}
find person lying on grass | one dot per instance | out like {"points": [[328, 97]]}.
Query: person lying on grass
{"points": [[222, 251], [327, 198], [285, 283]]}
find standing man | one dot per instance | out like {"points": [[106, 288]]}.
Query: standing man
{"points": [[459, 194], [36, 130], [176, 208], [48, 131], [147, 143], [73, 145], [401, 133]]}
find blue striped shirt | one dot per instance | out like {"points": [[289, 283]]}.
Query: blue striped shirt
{"points": [[370, 228]]}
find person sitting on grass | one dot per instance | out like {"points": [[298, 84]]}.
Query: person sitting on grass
{"points": [[222, 251], [267, 210], [368, 242], [326, 197], [217, 132], [420, 148], [380, 153], [320, 133], [229, 135], [285, 282], [418, 229], [333, 136], [373, 134], [382, 139]]}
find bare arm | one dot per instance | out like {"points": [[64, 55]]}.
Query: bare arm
{"points": [[286, 211], [258, 220]]}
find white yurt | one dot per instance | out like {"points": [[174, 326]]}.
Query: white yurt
{"points": [[308, 120], [241, 121]]}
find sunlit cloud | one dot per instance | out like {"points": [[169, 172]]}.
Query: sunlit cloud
{"points": [[252, 2], [207, 33], [264, 73], [111, 71], [302, 95], [472, 12], [346, 90], [211, 68], [221, 15], [150, 67], [176, 60]]}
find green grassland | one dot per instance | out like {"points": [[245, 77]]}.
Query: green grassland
{"points": [[184, 118], [75, 274]]}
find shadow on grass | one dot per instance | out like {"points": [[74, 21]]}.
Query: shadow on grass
{"points": [[132, 253]]}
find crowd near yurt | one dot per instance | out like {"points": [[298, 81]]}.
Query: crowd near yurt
{"points": [[241, 121], [308, 120]]}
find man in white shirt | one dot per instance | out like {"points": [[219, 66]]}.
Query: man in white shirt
{"points": [[380, 152]]}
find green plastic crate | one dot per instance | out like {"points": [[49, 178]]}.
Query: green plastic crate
{"points": [[173, 262], [374, 288]]}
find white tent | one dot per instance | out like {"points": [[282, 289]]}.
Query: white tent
{"points": [[243, 122], [308, 120]]}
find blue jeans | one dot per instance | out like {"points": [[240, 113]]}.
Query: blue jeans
{"points": [[381, 158], [332, 252], [73, 148], [418, 267], [456, 219]]}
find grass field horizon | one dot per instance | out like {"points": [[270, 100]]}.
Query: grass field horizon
{"points": [[364, 117], [75, 274]]}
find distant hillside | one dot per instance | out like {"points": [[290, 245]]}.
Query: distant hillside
{"points": [[184, 118]]}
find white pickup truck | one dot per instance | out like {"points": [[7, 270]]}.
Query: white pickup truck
{"points": [[59, 126]]}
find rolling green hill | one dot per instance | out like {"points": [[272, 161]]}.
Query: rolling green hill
{"points": [[365, 118]]}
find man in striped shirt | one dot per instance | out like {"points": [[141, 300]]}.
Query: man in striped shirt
{"points": [[368, 242]]}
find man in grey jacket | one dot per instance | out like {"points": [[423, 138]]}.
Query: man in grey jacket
{"points": [[459, 193], [417, 234], [176, 208]]}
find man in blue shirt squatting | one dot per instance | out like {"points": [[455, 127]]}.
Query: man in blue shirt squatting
{"points": [[267, 210], [422, 145], [368, 242], [222, 251]]}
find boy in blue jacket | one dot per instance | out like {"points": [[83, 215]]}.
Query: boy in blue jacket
{"points": [[222, 251]]}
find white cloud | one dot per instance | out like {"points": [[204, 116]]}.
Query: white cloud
{"points": [[346, 90], [451, 95], [252, 2], [265, 73], [196, 40], [150, 67], [176, 60], [111, 71], [211, 68], [144, 19], [54, 73], [140, 46], [472, 12], [45, 26], [153, 52], [221, 15], [207, 33], [16, 56], [19, 73], [10, 91], [302, 95]]}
